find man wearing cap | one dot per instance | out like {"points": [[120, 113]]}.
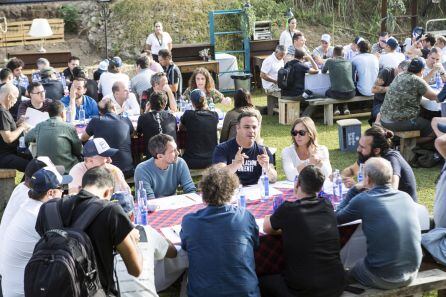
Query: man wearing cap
{"points": [[352, 49], [124, 101], [324, 51], [434, 67], [37, 99], [56, 139], [391, 58], [173, 73], [113, 75], [270, 68], [154, 247], [68, 72], [20, 236], [97, 153], [40, 63], [103, 66], [165, 171], [54, 88], [77, 98], [116, 130], [141, 81]]}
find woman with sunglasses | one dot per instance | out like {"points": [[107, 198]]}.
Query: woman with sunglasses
{"points": [[305, 150]]}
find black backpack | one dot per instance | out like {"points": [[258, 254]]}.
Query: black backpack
{"points": [[284, 77], [63, 263]]}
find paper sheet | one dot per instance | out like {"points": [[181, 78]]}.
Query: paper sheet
{"points": [[253, 192], [34, 117], [172, 233], [285, 184], [260, 224], [177, 201]]}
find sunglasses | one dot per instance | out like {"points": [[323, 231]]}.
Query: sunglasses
{"points": [[299, 132]]}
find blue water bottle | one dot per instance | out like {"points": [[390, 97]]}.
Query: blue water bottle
{"points": [[142, 203], [241, 201], [438, 81], [277, 201], [82, 115], [361, 173]]}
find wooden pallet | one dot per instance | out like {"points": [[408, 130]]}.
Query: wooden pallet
{"points": [[17, 33]]}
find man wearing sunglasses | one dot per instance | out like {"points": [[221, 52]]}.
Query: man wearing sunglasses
{"points": [[243, 155], [38, 100]]}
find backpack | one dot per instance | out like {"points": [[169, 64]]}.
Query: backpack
{"points": [[63, 263], [284, 77]]}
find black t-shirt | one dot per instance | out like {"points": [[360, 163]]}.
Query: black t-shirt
{"points": [[387, 74], [107, 230], [53, 89], [173, 74], [251, 171], [297, 77], [408, 183], [68, 75], [201, 127], [7, 124], [153, 123], [117, 131], [15, 108], [311, 247]]}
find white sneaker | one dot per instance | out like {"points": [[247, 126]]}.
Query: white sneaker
{"points": [[336, 112]]}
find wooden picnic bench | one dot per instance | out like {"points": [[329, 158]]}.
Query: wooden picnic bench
{"points": [[408, 140], [7, 185]]}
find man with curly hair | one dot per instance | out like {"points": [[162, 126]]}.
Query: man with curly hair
{"points": [[220, 241]]}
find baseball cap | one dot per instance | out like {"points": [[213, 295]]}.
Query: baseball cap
{"points": [[48, 178], [103, 65], [125, 200], [442, 127], [98, 147], [116, 61], [418, 32], [358, 39], [392, 42], [47, 71], [40, 162], [195, 95], [326, 38]]}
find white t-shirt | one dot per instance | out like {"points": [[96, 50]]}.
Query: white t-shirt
{"points": [[366, 66], [17, 248], [78, 171], [391, 59], [271, 66], [157, 44], [108, 79], [131, 105], [143, 286], [426, 72], [286, 38], [290, 161], [349, 54], [18, 197]]}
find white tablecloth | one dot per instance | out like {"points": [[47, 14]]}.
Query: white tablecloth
{"points": [[226, 62], [317, 83]]}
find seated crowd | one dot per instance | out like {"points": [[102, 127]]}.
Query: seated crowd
{"points": [[86, 145]]}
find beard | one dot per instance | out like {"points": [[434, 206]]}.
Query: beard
{"points": [[362, 159]]}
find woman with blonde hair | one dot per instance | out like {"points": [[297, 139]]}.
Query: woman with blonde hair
{"points": [[202, 79], [305, 150]]}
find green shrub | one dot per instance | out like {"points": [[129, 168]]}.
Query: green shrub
{"points": [[71, 17]]}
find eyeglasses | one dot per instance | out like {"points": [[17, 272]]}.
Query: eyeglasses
{"points": [[39, 93], [299, 132]]}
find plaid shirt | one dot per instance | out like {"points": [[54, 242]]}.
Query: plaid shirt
{"points": [[21, 81]]}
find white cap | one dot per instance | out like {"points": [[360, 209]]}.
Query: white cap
{"points": [[326, 38], [103, 65]]}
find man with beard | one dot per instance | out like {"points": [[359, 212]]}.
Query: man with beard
{"points": [[376, 142], [162, 173], [77, 98]]}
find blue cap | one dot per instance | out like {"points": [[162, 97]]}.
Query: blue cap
{"points": [[116, 61], [98, 147], [416, 65], [125, 200], [442, 127], [392, 42], [48, 178], [195, 96]]}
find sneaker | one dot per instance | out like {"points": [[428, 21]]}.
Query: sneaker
{"points": [[346, 110], [336, 112]]}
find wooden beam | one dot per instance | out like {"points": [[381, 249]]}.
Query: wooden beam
{"points": [[414, 9], [383, 15]]}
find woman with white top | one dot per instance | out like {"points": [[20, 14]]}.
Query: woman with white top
{"points": [[158, 40], [286, 38], [305, 150]]}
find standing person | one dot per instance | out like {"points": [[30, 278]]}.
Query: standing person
{"points": [[340, 72], [243, 155], [141, 81], [117, 131], [68, 72], [158, 40], [286, 37], [77, 98], [172, 71], [37, 100], [156, 120], [310, 242], [20, 236], [56, 139], [270, 68], [54, 89], [10, 132], [324, 51], [110, 231], [201, 127], [391, 261], [220, 241], [202, 79], [391, 58], [305, 150], [365, 69]]}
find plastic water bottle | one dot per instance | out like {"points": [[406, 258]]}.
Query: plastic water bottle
{"points": [[66, 92], [212, 106], [241, 200], [361, 173], [264, 186], [277, 201], [438, 81], [142, 203], [296, 180], [22, 145], [182, 104], [338, 183], [82, 115], [63, 80], [68, 115]]}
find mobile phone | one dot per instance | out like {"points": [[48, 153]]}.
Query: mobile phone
{"points": [[354, 290]]}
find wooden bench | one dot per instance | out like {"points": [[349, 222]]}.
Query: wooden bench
{"points": [[7, 184], [328, 107], [272, 100], [429, 280], [408, 140], [289, 111]]}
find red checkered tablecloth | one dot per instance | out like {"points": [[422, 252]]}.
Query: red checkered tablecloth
{"points": [[269, 256]]}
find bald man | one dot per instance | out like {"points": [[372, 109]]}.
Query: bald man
{"points": [[391, 227], [10, 132], [124, 102]]}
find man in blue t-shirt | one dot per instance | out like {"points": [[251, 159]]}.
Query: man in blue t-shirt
{"points": [[243, 155], [76, 99]]}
